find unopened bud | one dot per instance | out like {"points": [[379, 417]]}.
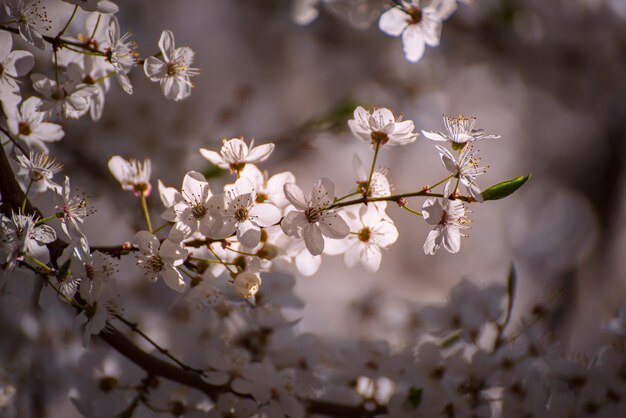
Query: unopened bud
{"points": [[247, 284], [401, 202]]}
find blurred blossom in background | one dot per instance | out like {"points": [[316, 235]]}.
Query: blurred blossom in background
{"points": [[548, 76]]}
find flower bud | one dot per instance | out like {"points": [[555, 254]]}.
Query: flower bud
{"points": [[247, 284]]}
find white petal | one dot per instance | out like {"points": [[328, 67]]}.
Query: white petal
{"points": [[213, 157], [195, 187], [433, 241], [293, 223], [308, 264], [248, 234], [370, 258], [173, 278], [452, 239], [295, 195], [434, 136], [155, 69], [432, 211], [313, 239], [413, 43], [259, 153], [334, 226], [166, 44], [264, 214], [393, 21]]}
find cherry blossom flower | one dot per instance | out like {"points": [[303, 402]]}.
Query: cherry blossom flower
{"points": [[70, 99], [73, 209], [460, 130], [379, 185], [466, 169], [312, 219], [448, 217], [191, 209], [371, 234], [268, 190], [381, 127], [20, 235], [28, 124], [175, 71], [269, 386], [306, 263], [132, 174], [238, 211], [98, 311], [235, 154], [230, 406], [13, 64], [120, 53], [31, 18], [101, 6], [247, 284], [160, 259], [304, 12], [419, 26], [38, 168]]}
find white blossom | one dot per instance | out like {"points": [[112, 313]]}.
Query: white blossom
{"points": [[13, 64], [28, 123], [235, 154], [268, 189], [98, 311], [70, 99], [460, 130], [466, 169], [448, 217], [39, 168], [190, 209], [247, 284], [381, 127], [304, 12], [120, 53], [379, 186], [238, 212], [312, 219], [160, 259], [20, 235], [132, 174], [370, 234], [175, 71], [418, 25], [73, 210], [31, 18]]}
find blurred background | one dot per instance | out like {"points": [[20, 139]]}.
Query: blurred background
{"points": [[549, 76]]}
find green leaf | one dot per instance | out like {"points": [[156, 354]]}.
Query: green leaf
{"points": [[415, 397], [212, 172], [511, 285], [504, 189]]}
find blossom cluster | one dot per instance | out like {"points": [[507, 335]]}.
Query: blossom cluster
{"points": [[219, 247]]}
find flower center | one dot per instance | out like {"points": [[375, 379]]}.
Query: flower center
{"points": [[365, 234], [379, 137], [415, 14], [261, 197], [237, 166], [312, 215], [172, 69], [24, 128], [155, 263], [241, 214], [107, 383], [199, 211]]}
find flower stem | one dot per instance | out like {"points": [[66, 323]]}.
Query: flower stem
{"points": [[369, 180], [8, 134], [413, 211], [67, 25], [146, 213], [57, 215], [225, 264], [390, 198], [345, 197], [30, 184], [95, 28], [439, 182], [209, 260], [161, 227], [47, 268]]}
